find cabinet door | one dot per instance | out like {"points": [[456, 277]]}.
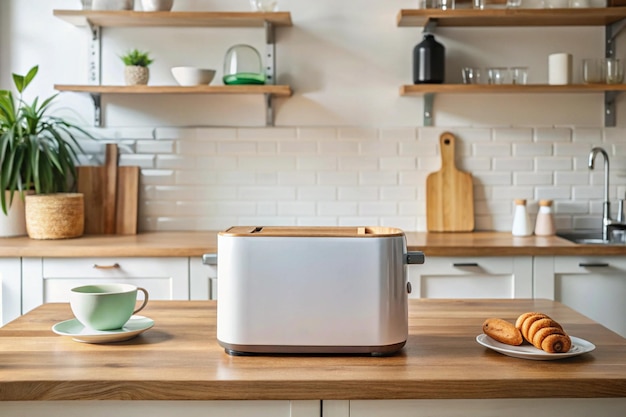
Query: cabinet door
{"points": [[10, 289], [593, 285], [482, 277], [161, 408], [50, 279]]}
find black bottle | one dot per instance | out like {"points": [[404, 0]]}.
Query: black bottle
{"points": [[428, 61]]}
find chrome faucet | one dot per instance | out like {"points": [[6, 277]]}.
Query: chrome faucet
{"points": [[606, 205]]}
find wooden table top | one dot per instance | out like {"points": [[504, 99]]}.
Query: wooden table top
{"points": [[172, 244], [179, 359]]}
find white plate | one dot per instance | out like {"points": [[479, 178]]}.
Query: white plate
{"points": [[525, 351], [80, 333]]}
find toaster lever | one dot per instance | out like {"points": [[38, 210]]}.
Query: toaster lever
{"points": [[414, 258]]}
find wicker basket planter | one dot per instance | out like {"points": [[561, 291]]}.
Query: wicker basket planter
{"points": [[55, 216]]}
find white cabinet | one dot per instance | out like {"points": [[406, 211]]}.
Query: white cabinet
{"points": [[592, 285], [282, 408], [10, 289], [545, 407], [50, 279], [472, 277]]}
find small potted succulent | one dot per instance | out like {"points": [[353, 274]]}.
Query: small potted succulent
{"points": [[38, 157], [136, 71]]}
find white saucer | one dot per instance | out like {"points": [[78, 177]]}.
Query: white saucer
{"points": [[526, 351], [80, 333]]}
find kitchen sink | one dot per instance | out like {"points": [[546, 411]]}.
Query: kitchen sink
{"points": [[586, 237]]}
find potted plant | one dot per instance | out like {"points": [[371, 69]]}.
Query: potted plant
{"points": [[38, 153], [136, 71]]}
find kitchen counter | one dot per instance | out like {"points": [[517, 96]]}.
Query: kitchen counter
{"points": [[172, 244], [179, 359]]}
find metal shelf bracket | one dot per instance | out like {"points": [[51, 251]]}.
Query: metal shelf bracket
{"points": [[97, 109], [270, 75], [429, 99], [610, 33], [610, 119]]}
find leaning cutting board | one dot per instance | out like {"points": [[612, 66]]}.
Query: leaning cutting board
{"points": [[449, 193], [111, 195]]}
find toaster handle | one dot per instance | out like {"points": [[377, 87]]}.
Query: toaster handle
{"points": [[412, 258]]}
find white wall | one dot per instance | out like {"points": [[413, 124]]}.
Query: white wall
{"points": [[347, 148]]}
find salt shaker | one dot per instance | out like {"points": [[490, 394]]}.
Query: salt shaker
{"points": [[521, 221], [545, 221]]}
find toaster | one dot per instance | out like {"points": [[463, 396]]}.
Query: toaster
{"points": [[313, 290]]}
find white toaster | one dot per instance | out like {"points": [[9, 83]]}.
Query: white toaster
{"points": [[313, 290]]}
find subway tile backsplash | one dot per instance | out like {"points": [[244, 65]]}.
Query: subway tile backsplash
{"points": [[212, 178]]}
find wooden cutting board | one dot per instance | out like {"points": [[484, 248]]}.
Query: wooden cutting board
{"points": [[111, 195], [449, 193]]}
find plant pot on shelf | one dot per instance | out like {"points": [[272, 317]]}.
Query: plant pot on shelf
{"points": [[14, 222], [55, 216], [136, 75]]}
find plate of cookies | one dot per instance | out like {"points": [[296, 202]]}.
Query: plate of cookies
{"points": [[533, 336]]}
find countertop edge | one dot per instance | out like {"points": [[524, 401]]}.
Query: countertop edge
{"points": [[197, 243]]}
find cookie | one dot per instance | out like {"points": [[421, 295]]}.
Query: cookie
{"points": [[502, 331]]}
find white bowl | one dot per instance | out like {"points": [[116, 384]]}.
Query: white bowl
{"points": [[188, 76]]}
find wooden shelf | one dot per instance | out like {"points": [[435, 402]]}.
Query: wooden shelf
{"points": [[274, 90], [130, 18], [510, 17], [417, 89]]}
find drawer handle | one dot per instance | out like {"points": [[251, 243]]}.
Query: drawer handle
{"points": [[465, 264], [114, 266], [593, 265]]}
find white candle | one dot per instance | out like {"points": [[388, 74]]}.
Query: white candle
{"points": [[559, 69]]}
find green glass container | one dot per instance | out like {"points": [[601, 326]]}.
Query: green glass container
{"points": [[242, 65]]}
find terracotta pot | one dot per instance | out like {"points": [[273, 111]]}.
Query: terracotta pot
{"points": [[13, 223], [55, 216], [136, 75]]}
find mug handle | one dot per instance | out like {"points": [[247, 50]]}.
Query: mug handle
{"points": [[145, 299]]}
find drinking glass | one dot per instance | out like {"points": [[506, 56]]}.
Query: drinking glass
{"points": [[592, 71], [479, 4], [470, 75], [513, 4], [612, 70], [519, 75], [496, 75], [446, 4]]}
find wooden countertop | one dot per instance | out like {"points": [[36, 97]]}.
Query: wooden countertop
{"points": [[179, 359], [171, 244]]}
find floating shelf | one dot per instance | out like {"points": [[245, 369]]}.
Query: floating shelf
{"points": [[97, 19], [275, 90], [418, 89], [428, 91], [510, 17], [96, 91], [130, 18], [611, 18]]}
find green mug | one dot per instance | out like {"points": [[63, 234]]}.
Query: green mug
{"points": [[105, 306]]}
